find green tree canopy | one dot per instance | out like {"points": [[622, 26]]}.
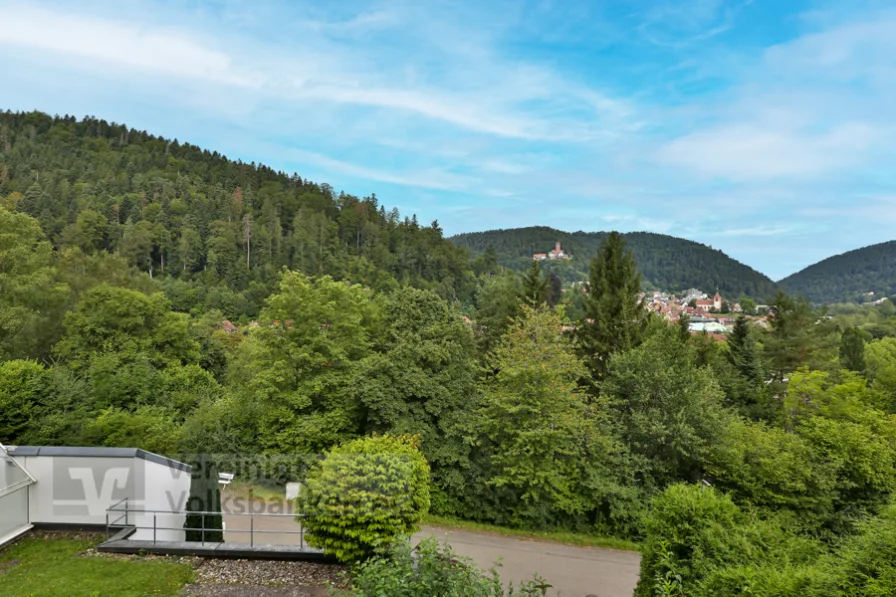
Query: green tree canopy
{"points": [[666, 409], [129, 325], [532, 427], [28, 288], [422, 380], [852, 349], [297, 368]]}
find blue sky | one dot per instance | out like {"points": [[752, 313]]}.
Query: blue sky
{"points": [[764, 128]]}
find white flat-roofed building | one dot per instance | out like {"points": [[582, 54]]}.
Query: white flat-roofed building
{"points": [[75, 487]]}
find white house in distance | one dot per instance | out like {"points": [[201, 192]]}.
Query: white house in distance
{"points": [[62, 487]]}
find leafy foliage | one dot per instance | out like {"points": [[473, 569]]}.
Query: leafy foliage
{"points": [[664, 408], [295, 372], [422, 380], [432, 569], [364, 494], [532, 427], [27, 285]]}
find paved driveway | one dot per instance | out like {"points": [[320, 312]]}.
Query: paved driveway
{"points": [[573, 571]]}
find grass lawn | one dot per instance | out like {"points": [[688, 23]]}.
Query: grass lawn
{"points": [[555, 536], [46, 566], [247, 490]]}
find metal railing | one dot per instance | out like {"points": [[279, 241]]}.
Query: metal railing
{"points": [[113, 523]]}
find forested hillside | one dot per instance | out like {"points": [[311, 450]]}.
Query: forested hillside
{"points": [[217, 230], [666, 262], [848, 277]]}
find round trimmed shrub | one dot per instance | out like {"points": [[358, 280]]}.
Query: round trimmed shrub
{"points": [[365, 493]]}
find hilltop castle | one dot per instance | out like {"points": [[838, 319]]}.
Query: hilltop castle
{"points": [[555, 253]]}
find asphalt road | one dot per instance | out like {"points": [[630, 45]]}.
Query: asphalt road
{"points": [[572, 571]]}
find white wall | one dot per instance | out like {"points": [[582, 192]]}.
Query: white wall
{"points": [[166, 489], [79, 490]]}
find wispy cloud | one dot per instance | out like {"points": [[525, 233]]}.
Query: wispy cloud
{"points": [[426, 179], [771, 230], [501, 98], [166, 52], [681, 23], [750, 152]]}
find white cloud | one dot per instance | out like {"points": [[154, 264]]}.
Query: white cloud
{"points": [[847, 51], [745, 152], [679, 23], [164, 52], [425, 179], [768, 230]]}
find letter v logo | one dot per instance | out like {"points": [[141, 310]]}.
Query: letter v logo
{"points": [[98, 501]]}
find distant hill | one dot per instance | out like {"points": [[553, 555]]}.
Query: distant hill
{"points": [[848, 276], [666, 262]]}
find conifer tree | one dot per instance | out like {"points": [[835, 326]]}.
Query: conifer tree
{"points": [[535, 286], [684, 328], [743, 353], [615, 317], [205, 496]]}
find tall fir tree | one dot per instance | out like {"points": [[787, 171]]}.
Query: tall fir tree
{"points": [[535, 286], [743, 353], [684, 328], [800, 336], [615, 317], [205, 496], [554, 289]]}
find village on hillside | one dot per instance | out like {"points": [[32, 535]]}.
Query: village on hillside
{"points": [[714, 315]]}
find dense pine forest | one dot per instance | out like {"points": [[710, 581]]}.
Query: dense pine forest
{"points": [[666, 262], [848, 277], [761, 465], [217, 231]]}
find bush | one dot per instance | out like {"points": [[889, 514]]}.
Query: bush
{"points": [[866, 565], [700, 544], [689, 530], [432, 569], [365, 493], [24, 387]]}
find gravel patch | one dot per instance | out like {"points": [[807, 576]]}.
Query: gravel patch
{"points": [[231, 578], [270, 573], [252, 591]]}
